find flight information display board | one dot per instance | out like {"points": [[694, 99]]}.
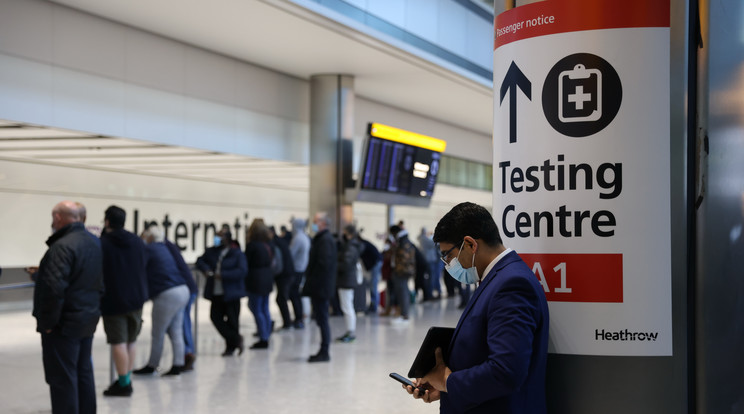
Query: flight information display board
{"points": [[399, 163]]}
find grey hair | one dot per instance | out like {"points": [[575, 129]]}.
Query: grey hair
{"points": [[156, 233], [323, 216]]}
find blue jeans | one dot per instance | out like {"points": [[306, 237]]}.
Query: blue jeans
{"points": [[259, 306], [188, 337], [374, 280]]}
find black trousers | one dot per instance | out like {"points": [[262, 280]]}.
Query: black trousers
{"points": [[226, 318], [288, 289], [320, 309], [68, 369], [295, 297], [452, 285]]}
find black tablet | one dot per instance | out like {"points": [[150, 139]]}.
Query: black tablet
{"points": [[436, 337]]}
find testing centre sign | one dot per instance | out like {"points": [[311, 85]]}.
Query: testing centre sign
{"points": [[581, 167]]}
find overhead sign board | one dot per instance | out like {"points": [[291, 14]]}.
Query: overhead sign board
{"points": [[399, 166], [581, 167]]}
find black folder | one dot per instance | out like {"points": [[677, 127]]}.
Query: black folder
{"points": [[436, 337]]}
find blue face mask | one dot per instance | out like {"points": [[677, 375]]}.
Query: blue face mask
{"points": [[217, 241], [314, 228], [455, 269]]}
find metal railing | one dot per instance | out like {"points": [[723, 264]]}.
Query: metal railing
{"points": [[11, 286]]}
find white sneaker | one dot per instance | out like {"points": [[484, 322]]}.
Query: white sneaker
{"points": [[399, 321]]}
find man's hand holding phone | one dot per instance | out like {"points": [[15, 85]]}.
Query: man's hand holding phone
{"points": [[418, 389], [430, 387], [422, 391]]}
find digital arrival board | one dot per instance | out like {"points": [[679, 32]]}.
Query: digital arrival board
{"points": [[581, 167], [399, 167]]}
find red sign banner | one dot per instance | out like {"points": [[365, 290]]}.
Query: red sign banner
{"points": [[562, 16], [578, 277]]}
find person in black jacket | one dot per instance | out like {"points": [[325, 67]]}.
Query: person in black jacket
{"points": [[260, 280], [67, 305], [372, 260], [320, 284], [225, 268], [125, 280], [285, 280]]}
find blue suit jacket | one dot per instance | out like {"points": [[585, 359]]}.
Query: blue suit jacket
{"points": [[499, 349]]}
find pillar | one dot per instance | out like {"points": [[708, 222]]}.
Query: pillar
{"points": [[331, 121]]}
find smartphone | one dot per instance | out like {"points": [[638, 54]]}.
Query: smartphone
{"points": [[403, 380]]}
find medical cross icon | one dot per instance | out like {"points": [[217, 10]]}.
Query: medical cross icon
{"points": [[579, 97]]}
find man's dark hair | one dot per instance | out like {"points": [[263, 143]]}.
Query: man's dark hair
{"points": [[351, 230], [116, 217], [395, 229], [467, 219]]}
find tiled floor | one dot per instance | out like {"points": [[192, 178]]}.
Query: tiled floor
{"points": [[277, 380]]}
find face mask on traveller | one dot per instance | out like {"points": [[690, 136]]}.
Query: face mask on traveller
{"points": [[455, 269], [217, 241], [314, 228]]}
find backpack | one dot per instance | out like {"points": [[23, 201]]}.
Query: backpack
{"points": [[277, 262]]}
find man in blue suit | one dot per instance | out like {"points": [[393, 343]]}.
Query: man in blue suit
{"points": [[497, 356]]}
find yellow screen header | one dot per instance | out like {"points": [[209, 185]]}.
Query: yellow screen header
{"points": [[407, 137]]}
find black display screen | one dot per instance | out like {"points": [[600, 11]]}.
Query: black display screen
{"points": [[398, 168]]}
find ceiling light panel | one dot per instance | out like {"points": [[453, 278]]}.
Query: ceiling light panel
{"points": [[33, 133]]}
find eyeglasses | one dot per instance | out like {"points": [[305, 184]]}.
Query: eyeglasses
{"points": [[443, 255]]}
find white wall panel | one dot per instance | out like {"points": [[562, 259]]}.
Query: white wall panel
{"points": [[155, 62], [88, 44], [29, 191], [46, 95], [154, 115], [208, 122], [209, 76], [84, 73], [272, 93], [86, 102], [277, 138], [26, 17], [25, 90]]}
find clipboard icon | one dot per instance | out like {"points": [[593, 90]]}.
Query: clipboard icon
{"points": [[580, 95]]}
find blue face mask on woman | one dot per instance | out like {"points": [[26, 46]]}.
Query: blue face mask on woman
{"points": [[217, 241], [455, 269]]}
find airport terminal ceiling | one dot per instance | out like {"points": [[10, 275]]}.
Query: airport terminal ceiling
{"points": [[301, 38], [53, 146]]}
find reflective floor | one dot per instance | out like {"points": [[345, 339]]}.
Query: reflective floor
{"points": [[277, 380]]}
